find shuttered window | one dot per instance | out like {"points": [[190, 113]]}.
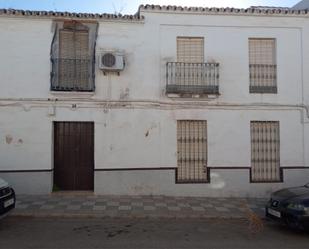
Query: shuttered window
{"points": [[265, 151], [263, 68], [73, 56], [190, 49], [192, 151], [74, 63]]}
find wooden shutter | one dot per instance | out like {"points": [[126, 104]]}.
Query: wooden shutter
{"points": [[192, 151], [66, 41], [262, 51], [265, 151], [263, 69], [82, 65], [74, 64], [190, 49]]}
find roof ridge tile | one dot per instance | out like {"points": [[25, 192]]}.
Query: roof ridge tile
{"points": [[43, 13], [255, 10]]}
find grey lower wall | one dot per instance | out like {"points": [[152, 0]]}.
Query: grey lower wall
{"points": [[224, 183], [29, 182]]}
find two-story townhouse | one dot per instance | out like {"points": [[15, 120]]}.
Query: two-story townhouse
{"points": [[170, 101]]}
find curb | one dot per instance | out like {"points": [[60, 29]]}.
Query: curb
{"points": [[100, 216]]}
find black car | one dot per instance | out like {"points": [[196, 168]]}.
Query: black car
{"points": [[290, 206], [7, 198]]}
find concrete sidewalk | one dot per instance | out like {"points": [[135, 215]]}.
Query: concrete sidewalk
{"points": [[92, 206]]}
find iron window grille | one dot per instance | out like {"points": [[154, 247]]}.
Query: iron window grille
{"points": [[192, 152], [265, 151], [73, 59], [190, 75], [262, 65], [192, 78]]}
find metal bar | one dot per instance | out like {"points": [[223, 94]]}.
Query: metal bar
{"points": [[263, 78], [265, 151], [72, 75], [192, 151], [194, 78]]}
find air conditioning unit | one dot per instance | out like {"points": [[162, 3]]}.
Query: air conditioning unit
{"points": [[111, 62]]}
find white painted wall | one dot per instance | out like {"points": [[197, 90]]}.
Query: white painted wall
{"points": [[143, 138], [149, 46], [25, 65], [25, 139], [127, 107]]}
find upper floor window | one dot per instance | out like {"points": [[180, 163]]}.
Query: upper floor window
{"points": [[73, 57], [190, 75], [262, 64]]}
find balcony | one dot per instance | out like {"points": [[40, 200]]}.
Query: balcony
{"points": [[72, 75], [184, 78], [263, 78]]}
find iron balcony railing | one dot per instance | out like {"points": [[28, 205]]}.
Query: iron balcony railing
{"points": [[72, 75], [263, 78], [192, 78]]}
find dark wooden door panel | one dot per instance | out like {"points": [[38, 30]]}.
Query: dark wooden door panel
{"points": [[74, 155]]}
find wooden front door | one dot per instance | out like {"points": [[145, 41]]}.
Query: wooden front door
{"points": [[73, 155]]}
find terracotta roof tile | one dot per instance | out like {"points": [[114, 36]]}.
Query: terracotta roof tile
{"points": [[15, 12], [254, 10]]}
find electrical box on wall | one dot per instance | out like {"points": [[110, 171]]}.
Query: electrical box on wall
{"points": [[111, 61]]}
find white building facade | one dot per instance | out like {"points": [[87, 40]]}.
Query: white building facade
{"points": [[192, 101]]}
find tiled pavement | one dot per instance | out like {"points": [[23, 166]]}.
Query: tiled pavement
{"points": [[69, 205]]}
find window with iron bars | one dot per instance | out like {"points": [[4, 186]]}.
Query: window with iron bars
{"points": [[265, 151], [192, 151], [190, 74], [73, 59], [262, 65]]}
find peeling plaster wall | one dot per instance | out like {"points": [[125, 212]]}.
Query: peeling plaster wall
{"points": [[135, 122], [136, 138], [25, 140]]}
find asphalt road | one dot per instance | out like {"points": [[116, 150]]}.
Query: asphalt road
{"points": [[145, 233]]}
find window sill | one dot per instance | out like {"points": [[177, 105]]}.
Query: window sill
{"points": [[263, 90], [192, 96], [72, 94], [279, 181], [192, 182], [263, 93]]}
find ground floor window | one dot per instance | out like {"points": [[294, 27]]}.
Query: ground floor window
{"points": [[265, 151], [192, 151]]}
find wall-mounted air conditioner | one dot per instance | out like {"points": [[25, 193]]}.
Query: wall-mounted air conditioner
{"points": [[111, 61]]}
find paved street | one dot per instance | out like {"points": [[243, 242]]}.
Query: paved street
{"points": [[95, 206], [17, 232]]}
